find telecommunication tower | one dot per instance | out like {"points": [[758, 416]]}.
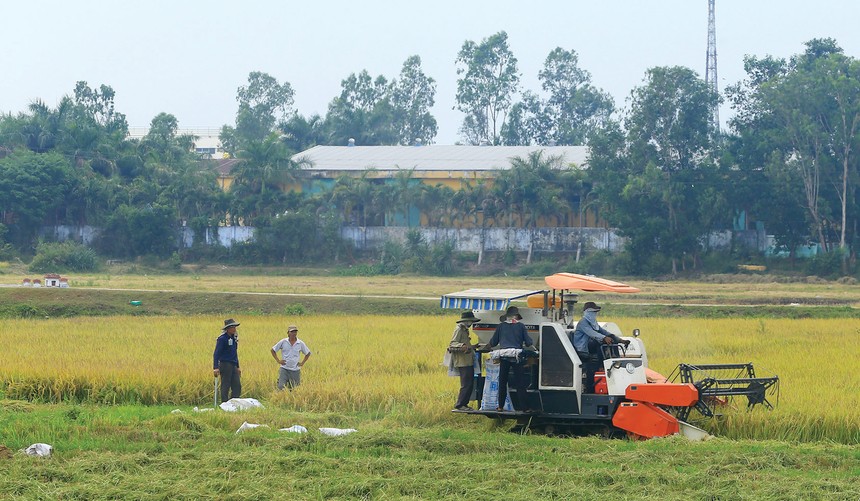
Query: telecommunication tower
{"points": [[711, 66]]}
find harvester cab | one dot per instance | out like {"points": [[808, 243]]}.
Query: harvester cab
{"points": [[629, 398]]}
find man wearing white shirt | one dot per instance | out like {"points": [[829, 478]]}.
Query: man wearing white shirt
{"points": [[291, 349]]}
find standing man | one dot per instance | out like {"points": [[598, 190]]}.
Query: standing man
{"points": [[226, 360], [463, 354], [290, 348], [587, 338], [511, 333]]}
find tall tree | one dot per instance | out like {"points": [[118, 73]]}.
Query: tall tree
{"points": [[569, 114], [486, 88], [652, 177], [412, 96], [362, 112], [804, 116], [263, 104]]}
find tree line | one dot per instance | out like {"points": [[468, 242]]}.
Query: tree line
{"points": [[657, 170]]}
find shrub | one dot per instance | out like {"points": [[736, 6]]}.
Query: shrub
{"points": [[65, 256]]}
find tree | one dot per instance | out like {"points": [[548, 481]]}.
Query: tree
{"points": [[803, 115], [651, 178], [571, 112], [32, 186], [263, 104], [412, 96], [485, 90], [363, 112]]}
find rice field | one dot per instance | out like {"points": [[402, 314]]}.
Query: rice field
{"points": [[388, 367]]}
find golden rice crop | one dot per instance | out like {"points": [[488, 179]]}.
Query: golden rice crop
{"points": [[389, 366]]}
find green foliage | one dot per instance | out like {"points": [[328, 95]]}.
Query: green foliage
{"points": [[827, 264], [570, 114], [486, 88], [294, 309], [63, 257], [138, 231]]}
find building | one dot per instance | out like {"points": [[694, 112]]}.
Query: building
{"points": [[451, 166]]}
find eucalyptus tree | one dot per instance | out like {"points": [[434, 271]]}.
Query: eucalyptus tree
{"points": [[412, 96], [363, 112], [264, 103], [805, 115], [569, 114], [489, 80]]}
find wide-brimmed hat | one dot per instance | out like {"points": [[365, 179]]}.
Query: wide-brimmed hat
{"points": [[292, 328], [590, 306], [230, 323], [468, 316], [513, 312]]}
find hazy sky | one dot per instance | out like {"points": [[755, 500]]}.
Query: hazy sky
{"points": [[188, 57]]}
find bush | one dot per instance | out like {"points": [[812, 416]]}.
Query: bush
{"points": [[828, 264], [294, 309], [63, 257]]}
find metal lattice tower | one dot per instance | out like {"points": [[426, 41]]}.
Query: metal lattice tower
{"points": [[711, 65]]}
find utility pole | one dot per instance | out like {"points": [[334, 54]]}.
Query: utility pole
{"points": [[711, 67]]}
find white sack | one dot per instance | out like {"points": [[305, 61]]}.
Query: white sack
{"points": [[250, 426], [41, 450], [337, 432], [238, 404], [296, 428]]}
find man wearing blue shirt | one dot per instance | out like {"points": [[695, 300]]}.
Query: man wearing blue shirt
{"points": [[587, 338], [511, 333], [226, 360]]}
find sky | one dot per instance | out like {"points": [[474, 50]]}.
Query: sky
{"points": [[188, 57]]}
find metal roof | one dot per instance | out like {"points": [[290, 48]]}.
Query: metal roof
{"points": [[431, 157]]}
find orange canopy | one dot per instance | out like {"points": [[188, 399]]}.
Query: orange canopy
{"points": [[572, 281]]}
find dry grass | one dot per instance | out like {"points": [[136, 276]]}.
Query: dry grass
{"points": [[763, 290]]}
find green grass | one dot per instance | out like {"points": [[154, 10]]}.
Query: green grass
{"points": [[64, 303], [148, 453]]}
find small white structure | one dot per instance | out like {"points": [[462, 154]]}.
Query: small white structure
{"points": [[52, 280], [26, 283], [37, 282]]}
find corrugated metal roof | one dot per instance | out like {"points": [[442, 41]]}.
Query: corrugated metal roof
{"points": [[431, 157]]}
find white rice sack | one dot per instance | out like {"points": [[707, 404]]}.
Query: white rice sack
{"points": [[238, 404], [250, 426], [296, 428], [41, 450], [337, 432]]}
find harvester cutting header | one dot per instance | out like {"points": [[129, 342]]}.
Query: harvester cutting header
{"points": [[610, 389]]}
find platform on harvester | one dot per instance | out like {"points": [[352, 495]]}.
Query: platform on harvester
{"points": [[719, 383]]}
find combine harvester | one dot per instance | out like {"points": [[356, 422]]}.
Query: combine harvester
{"points": [[630, 399]]}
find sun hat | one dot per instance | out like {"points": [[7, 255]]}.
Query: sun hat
{"points": [[590, 306], [514, 312], [468, 316], [230, 323], [292, 328]]}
